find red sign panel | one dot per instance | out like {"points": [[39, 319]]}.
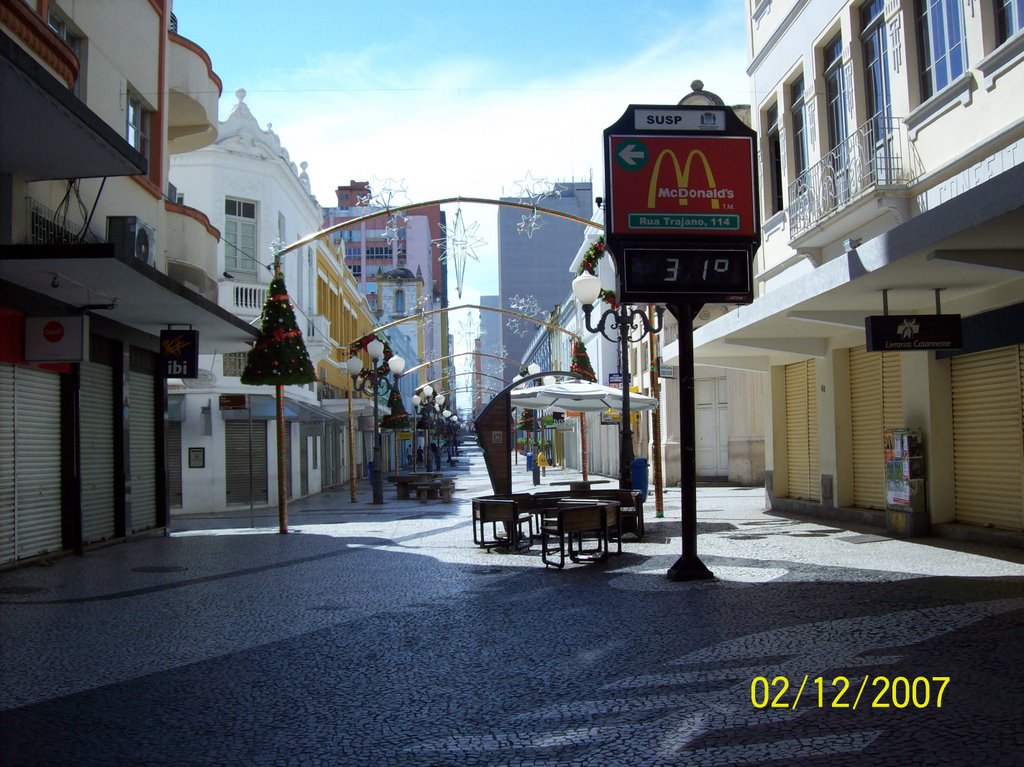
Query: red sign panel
{"points": [[683, 185]]}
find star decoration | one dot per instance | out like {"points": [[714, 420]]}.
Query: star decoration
{"points": [[458, 243], [533, 190], [530, 223], [526, 305]]}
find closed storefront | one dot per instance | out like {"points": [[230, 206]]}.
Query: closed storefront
{"points": [[988, 443], [30, 462], [96, 440], [142, 450], [239, 460], [876, 404], [803, 470]]}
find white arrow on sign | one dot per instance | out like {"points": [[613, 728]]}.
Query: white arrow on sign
{"points": [[629, 154]]}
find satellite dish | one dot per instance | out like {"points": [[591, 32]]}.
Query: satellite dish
{"points": [[204, 378]]}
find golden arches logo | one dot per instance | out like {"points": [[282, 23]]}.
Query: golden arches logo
{"points": [[682, 176]]}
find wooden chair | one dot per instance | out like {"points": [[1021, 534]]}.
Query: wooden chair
{"points": [[507, 513], [577, 521], [631, 508]]}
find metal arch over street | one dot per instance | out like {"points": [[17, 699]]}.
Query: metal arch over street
{"points": [[442, 201], [508, 360], [416, 317]]}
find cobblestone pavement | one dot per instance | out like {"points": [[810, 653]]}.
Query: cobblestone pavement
{"points": [[382, 636]]}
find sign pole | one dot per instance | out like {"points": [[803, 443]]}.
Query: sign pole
{"points": [[689, 566]]}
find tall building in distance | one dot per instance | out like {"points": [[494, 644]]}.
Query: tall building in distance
{"points": [[533, 264], [491, 369]]}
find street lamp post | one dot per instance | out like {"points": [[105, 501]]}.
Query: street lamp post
{"points": [[375, 383], [628, 324], [431, 402]]}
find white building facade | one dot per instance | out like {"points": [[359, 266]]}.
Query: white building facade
{"points": [[255, 196], [891, 152]]}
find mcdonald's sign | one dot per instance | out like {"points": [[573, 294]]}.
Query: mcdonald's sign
{"points": [[689, 185]]}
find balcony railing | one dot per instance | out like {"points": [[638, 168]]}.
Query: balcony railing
{"points": [[877, 155], [45, 227]]}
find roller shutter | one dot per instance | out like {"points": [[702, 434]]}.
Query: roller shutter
{"points": [[174, 464], [876, 404], [804, 469], [988, 444], [142, 449], [30, 468], [236, 455], [96, 426]]}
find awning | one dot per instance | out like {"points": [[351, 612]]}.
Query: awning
{"points": [[124, 289], [78, 144], [265, 408]]}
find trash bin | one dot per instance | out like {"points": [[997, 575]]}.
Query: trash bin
{"points": [[529, 461], [638, 476]]}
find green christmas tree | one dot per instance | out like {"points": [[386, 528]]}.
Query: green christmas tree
{"points": [[279, 357], [399, 416], [527, 420], [581, 361]]}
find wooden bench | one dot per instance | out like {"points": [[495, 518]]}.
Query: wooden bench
{"points": [[426, 490]]}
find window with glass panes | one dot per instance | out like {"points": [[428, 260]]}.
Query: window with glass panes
{"points": [[835, 92], [942, 50], [876, 65], [137, 128], [774, 158], [1009, 15], [797, 115], [239, 235]]}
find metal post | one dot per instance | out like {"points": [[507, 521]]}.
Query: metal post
{"points": [[376, 479], [625, 427], [688, 567], [248, 407], [655, 420], [282, 464]]}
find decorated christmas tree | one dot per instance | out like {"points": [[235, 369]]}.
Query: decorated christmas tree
{"points": [[399, 416], [581, 361], [527, 420], [279, 357]]}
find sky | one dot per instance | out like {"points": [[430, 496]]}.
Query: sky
{"points": [[461, 97]]}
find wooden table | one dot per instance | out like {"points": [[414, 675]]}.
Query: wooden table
{"points": [[403, 481], [582, 484]]}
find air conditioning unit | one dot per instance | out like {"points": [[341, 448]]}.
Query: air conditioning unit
{"points": [[132, 238]]}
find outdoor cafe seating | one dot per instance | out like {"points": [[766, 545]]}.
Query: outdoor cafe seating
{"points": [[577, 526]]}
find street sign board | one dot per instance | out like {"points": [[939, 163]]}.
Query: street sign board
{"points": [[681, 185], [233, 401], [681, 204], [917, 332]]}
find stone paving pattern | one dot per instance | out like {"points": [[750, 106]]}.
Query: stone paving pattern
{"points": [[382, 636]]}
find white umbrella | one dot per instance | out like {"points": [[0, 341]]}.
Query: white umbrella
{"points": [[579, 395]]}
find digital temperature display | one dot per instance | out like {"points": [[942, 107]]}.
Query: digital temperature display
{"points": [[712, 275]]}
